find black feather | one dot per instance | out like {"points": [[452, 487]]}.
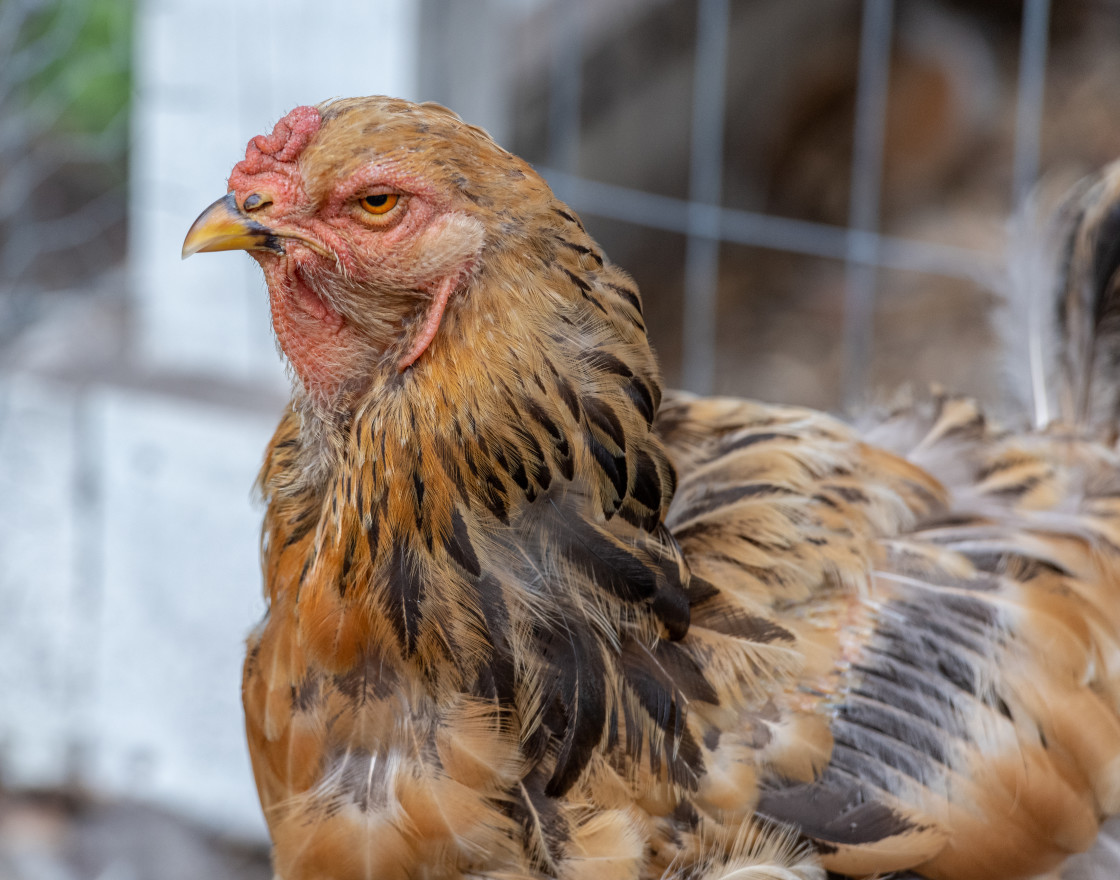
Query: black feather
{"points": [[499, 677], [568, 395], [459, 547], [664, 678], [603, 417], [671, 605], [604, 361], [837, 808], [612, 466], [575, 699], [647, 482], [539, 471], [627, 294], [736, 622], [608, 564], [642, 399], [494, 497], [404, 591]]}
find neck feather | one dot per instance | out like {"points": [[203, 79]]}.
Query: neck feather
{"points": [[489, 522], [534, 404]]}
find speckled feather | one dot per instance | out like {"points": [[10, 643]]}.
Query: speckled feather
{"points": [[526, 619]]}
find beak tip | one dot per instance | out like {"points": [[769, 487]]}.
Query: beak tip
{"points": [[222, 227], [193, 244]]}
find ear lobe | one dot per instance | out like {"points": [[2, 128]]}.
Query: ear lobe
{"points": [[448, 247], [447, 251]]}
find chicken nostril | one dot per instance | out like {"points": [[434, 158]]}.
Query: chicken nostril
{"points": [[256, 201]]}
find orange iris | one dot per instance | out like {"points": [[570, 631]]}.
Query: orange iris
{"points": [[382, 203]]}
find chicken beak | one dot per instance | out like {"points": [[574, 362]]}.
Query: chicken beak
{"points": [[223, 227]]}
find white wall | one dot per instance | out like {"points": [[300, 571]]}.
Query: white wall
{"points": [[129, 442], [130, 577], [211, 74]]}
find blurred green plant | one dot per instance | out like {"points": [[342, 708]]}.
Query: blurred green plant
{"points": [[76, 59], [65, 92]]}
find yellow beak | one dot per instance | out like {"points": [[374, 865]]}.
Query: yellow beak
{"points": [[223, 227]]}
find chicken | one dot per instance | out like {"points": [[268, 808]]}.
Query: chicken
{"points": [[526, 618]]}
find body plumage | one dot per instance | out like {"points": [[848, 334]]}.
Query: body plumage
{"points": [[528, 619]]}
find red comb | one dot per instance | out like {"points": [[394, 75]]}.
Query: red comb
{"points": [[288, 138]]}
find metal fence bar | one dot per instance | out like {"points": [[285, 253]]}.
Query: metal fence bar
{"points": [[863, 214], [565, 86], [1028, 108], [701, 264], [734, 226]]}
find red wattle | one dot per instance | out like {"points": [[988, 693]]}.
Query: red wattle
{"points": [[431, 324]]}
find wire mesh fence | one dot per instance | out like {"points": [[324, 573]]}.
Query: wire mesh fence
{"points": [[64, 93], [706, 223], [810, 195]]}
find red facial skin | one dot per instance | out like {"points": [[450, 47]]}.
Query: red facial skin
{"points": [[305, 325], [328, 244]]}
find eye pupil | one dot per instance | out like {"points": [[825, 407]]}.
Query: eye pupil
{"points": [[377, 201]]}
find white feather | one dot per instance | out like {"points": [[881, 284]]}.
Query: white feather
{"points": [[1025, 322]]}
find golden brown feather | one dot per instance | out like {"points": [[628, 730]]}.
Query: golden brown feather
{"points": [[526, 619]]}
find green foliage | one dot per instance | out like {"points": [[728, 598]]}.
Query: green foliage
{"points": [[78, 53], [65, 92]]}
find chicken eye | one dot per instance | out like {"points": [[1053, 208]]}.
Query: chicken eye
{"points": [[382, 203]]}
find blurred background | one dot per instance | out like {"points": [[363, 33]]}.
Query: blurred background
{"points": [[813, 196]]}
